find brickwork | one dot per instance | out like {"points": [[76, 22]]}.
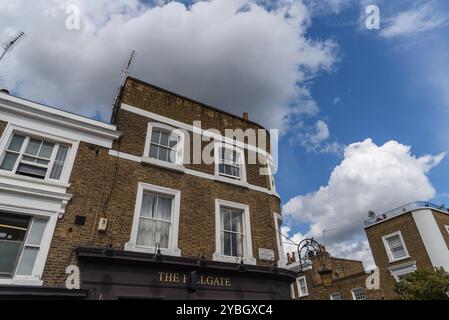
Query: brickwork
{"points": [[413, 242], [104, 186]]}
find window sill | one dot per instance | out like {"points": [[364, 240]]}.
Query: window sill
{"points": [[175, 252], [234, 260], [49, 183], [399, 259], [231, 181], [163, 164], [22, 282]]}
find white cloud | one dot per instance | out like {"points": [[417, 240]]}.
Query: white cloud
{"points": [[315, 139], [370, 177], [233, 54], [423, 18]]}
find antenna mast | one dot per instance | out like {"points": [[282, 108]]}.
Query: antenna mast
{"points": [[120, 88], [8, 45]]}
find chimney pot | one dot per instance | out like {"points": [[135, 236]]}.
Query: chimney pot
{"points": [[245, 116], [5, 91]]}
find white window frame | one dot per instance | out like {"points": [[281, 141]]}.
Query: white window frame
{"points": [[226, 178], [35, 279], [354, 295], [68, 164], [271, 176], [402, 269], [172, 249], [180, 148], [388, 249], [331, 296], [280, 244], [302, 294], [447, 228], [248, 257]]}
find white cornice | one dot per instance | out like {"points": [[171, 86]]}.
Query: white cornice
{"points": [[17, 110]]}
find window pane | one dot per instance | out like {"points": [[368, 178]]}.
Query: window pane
{"points": [[236, 221], [228, 170], [173, 141], [155, 136], [234, 241], [13, 227], [226, 220], [46, 150], [56, 171], [33, 147], [9, 252], [164, 209], [16, 143], [172, 156], [9, 161], [164, 139], [222, 168], [36, 232], [153, 151], [27, 262], [148, 205], [165, 235], [145, 235], [226, 246], [62, 153], [31, 171], [163, 153]]}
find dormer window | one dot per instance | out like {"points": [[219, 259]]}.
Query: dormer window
{"points": [[34, 157]]}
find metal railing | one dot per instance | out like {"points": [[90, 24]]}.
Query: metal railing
{"points": [[403, 209]]}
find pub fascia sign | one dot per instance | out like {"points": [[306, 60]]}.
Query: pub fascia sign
{"points": [[173, 277]]}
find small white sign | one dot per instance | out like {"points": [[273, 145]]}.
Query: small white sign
{"points": [[266, 254]]}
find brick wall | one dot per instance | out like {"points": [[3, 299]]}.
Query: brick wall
{"points": [[3, 125], [106, 186], [413, 242]]}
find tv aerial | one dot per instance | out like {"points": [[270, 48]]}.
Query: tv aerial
{"points": [[8, 45]]}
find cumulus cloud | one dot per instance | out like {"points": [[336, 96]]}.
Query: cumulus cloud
{"points": [[234, 54], [370, 177], [421, 18]]}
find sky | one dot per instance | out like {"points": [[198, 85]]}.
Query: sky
{"points": [[361, 112]]}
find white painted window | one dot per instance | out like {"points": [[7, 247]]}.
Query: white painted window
{"points": [[358, 294], [156, 220], [164, 145], [335, 296], [395, 246], [230, 162], [233, 232], [302, 286], [279, 240], [24, 241], [34, 157], [401, 270]]}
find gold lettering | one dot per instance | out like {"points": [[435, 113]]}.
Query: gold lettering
{"points": [[184, 279], [210, 280], [228, 282], [176, 277], [161, 274]]}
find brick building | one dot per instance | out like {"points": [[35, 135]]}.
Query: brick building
{"points": [[413, 236], [348, 279], [133, 205]]}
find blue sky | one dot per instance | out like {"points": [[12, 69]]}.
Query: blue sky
{"points": [[362, 113], [382, 91]]}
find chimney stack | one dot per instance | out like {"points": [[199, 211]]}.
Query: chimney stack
{"points": [[4, 91], [245, 116]]}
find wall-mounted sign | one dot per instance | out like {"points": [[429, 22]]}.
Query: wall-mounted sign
{"points": [[173, 277], [266, 254]]}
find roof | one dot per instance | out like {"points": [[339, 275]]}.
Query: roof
{"points": [[194, 101]]}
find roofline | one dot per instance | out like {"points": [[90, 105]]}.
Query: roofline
{"points": [[195, 101], [429, 206]]}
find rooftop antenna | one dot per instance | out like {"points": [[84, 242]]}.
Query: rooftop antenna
{"points": [[118, 95], [8, 45], [324, 235]]}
